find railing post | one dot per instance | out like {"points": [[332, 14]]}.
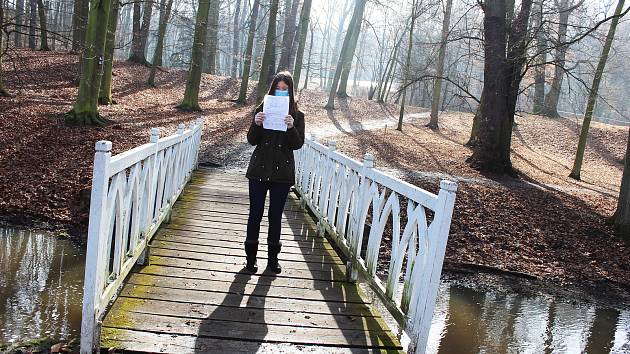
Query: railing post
{"points": [[200, 121], [153, 139], [355, 247], [94, 268], [423, 310]]}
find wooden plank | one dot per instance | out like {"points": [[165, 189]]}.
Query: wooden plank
{"points": [[141, 341], [324, 274], [239, 223], [245, 314], [251, 331], [194, 213], [196, 200], [287, 247], [303, 236], [214, 258], [311, 243], [243, 284], [232, 277], [239, 252], [244, 300], [295, 230]]}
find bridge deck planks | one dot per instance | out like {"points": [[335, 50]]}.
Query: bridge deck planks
{"points": [[193, 296]]}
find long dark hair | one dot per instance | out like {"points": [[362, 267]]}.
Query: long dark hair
{"points": [[287, 78]]}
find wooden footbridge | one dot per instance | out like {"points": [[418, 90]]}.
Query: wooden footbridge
{"points": [[165, 260]]}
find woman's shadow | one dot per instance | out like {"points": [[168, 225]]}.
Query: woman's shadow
{"points": [[238, 323]]}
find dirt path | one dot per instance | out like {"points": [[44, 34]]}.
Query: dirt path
{"points": [[236, 156]]}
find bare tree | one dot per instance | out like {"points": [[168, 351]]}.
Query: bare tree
{"points": [[593, 94], [304, 25], [504, 48], [165, 14], [85, 110], [191, 95], [437, 87], [347, 50], [267, 62], [247, 58], [565, 8], [235, 39], [3, 91], [407, 69]]}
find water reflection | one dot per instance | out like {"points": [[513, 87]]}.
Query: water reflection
{"points": [[41, 291], [41, 285], [471, 321]]}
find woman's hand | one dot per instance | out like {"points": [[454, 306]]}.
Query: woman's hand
{"points": [[289, 120], [259, 118]]}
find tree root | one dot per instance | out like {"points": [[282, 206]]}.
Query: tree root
{"points": [[106, 101], [187, 107], [139, 60], [433, 127], [85, 119]]}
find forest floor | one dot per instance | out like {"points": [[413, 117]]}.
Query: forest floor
{"points": [[542, 225]]}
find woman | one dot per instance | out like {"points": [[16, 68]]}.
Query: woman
{"points": [[271, 168]]}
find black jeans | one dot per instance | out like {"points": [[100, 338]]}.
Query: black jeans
{"points": [[278, 193]]}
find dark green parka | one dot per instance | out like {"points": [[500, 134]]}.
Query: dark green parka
{"points": [[272, 160]]}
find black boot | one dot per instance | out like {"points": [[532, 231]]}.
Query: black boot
{"points": [[251, 248], [272, 262]]}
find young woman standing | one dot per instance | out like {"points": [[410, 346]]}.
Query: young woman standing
{"points": [[271, 169]]}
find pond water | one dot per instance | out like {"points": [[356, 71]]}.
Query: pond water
{"points": [[41, 286], [41, 282], [475, 321]]}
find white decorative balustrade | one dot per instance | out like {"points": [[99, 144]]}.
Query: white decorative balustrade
{"points": [[132, 193], [345, 195]]}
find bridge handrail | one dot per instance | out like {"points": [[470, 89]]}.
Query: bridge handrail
{"points": [[132, 193], [344, 194]]}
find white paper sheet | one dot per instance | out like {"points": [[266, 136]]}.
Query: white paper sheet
{"points": [[275, 109]]}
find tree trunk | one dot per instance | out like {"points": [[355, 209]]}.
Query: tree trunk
{"points": [[270, 49], [287, 36], [85, 111], [136, 42], [105, 93], [593, 95], [213, 38], [79, 23], [437, 88], [32, 24], [389, 74], [407, 65], [541, 59], [502, 77], [235, 40], [347, 50], [141, 33], [299, 57], [310, 54], [565, 8], [622, 215], [42, 26], [165, 14], [247, 58], [338, 41], [19, 21], [191, 95], [345, 72], [474, 131], [488, 154], [267, 62], [3, 91]]}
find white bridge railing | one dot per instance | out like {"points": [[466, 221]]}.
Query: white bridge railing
{"points": [[132, 193], [346, 195]]}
